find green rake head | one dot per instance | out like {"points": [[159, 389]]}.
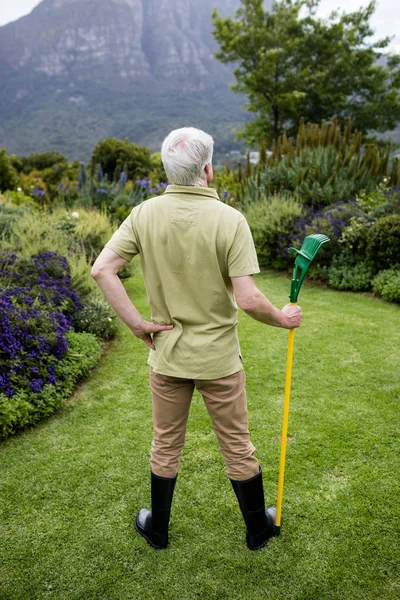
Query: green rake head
{"points": [[304, 258]]}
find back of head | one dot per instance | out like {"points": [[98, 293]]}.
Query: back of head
{"points": [[185, 152]]}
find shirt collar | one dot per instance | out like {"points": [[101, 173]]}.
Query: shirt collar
{"points": [[201, 192]]}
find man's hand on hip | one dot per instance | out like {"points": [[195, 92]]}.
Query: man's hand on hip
{"points": [[145, 330]]}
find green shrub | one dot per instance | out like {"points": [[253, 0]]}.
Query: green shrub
{"points": [[383, 245], [390, 205], [97, 317], [387, 284], [112, 154], [226, 183], [17, 198], [8, 175], [325, 164], [36, 232], [272, 224], [28, 407], [356, 278], [352, 244], [332, 221], [79, 235], [41, 161], [8, 214], [93, 229]]}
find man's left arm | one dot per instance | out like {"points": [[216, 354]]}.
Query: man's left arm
{"points": [[105, 273]]}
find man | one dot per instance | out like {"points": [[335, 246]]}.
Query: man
{"points": [[198, 261]]}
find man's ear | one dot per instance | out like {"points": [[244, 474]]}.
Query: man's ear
{"points": [[209, 172]]}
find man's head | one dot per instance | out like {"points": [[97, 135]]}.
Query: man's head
{"points": [[187, 156]]}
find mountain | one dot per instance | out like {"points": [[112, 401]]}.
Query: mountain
{"points": [[75, 71]]}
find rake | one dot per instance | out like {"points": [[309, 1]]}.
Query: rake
{"points": [[304, 258]]}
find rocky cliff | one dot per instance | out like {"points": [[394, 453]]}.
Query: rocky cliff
{"points": [[76, 70]]}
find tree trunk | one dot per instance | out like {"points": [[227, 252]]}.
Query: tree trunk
{"points": [[276, 128]]}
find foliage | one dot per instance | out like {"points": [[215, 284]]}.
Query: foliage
{"points": [[157, 172], [37, 304], [226, 182], [8, 175], [96, 317], [272, 224], [33, 185], [36, 231], [8, 213], [113, 154], [383, 248], [89, 229], [38, 307], [332, 221], [326, 165], [356, 277], [27, 407], [387, 284], [17, 198], [389, 205], [41, 161], [372, 201], [291, 64], [118, 198]]}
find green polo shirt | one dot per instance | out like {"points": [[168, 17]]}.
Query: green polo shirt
{"points": [[190, 244]]}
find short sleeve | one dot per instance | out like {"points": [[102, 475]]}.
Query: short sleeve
{"points": [[242, 256], [124, 241]]}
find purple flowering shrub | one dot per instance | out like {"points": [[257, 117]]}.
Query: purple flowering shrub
{"points": [[331, 221], [37, 306], [29, 407]]}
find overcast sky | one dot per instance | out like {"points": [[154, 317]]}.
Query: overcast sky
{"points": [[386, 20]]}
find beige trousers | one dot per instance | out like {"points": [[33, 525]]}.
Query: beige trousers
{"points": [[226, 403]]}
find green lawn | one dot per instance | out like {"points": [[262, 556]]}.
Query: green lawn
{"points": [[70, 487]]}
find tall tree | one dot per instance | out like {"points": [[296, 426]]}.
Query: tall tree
{"points": [[291, 64]]}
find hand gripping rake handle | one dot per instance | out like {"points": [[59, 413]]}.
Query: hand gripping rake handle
{"points": [[305, 256]]}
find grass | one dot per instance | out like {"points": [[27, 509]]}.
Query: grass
{"points": [[70, 487]]}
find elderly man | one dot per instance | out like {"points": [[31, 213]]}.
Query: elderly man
{"points": [[198, 261]]}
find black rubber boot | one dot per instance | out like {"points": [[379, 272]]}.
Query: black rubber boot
{"points": [[260, 522], [153, 524]]}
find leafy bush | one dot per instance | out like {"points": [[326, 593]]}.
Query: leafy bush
{"points": [[8, 214], [37, 231], [112, 154], [118, 199], [43, 160], [356, 278], [383, 247], [332, 221], [27, 407], [36, 307], [87, 229], [96, 317], [387, 284], [325, 165], [8, 175], [272, 224], [17, 198], [389, 206], [226, 182], [41, 357]]}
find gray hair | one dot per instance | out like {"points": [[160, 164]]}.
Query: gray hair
{"points": [[185, 152]]}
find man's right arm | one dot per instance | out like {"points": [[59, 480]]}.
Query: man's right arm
{"points": [[257, 306]]}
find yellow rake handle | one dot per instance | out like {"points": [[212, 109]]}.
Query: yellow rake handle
{"points": [[285, 423]]}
